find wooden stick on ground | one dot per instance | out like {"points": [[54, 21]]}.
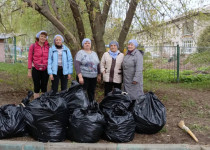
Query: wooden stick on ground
{"points": [[182, 126]]}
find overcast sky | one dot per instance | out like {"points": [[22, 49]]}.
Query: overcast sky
{"points": [[199, 3]]}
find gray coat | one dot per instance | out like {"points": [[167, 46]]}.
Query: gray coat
{"points": [[132, 71]]}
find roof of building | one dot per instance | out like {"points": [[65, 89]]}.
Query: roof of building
{"points": [[204, 10], [9, 35]]}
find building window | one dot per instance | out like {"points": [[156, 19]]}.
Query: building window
{"points": [[174, 30], [188, 28], [187, 45]]}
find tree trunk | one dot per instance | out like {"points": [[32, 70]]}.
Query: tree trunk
{"points": [[97, 20], [127, 23], [78, 20], [44, 10]]}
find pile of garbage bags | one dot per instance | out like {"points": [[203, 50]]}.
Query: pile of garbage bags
{"points": [[71, 115], [120, 125]]}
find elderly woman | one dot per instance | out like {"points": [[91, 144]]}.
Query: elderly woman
{"points": [[86, 64], [132, 70], [37, 63], [111, 67], [60, 64]]}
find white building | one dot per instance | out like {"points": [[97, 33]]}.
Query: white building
{"points": [[184, 31]]}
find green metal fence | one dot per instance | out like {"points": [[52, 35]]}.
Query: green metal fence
{"points": [[15, 53], [174, 63], [161, 63]]}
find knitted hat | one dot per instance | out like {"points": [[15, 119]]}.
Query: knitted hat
{"points": [[115, 43], [40, 32], [86, 40], [134, 42], [58, 35]]}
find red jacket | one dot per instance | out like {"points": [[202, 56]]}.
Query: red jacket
{"points": [[38, 55]]}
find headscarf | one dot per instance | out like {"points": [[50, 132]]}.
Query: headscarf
{"points": [[40, 32], [86, 40], [135, 43], [115, 43], [58, 35], [113, 54]]}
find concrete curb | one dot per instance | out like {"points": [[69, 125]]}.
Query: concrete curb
{"points": [[23, 145]]}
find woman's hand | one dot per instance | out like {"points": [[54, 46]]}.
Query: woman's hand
{"points": [[29, 73], [69, 76], [99, 78], [51, 77], [134, 82], [81, 80]]}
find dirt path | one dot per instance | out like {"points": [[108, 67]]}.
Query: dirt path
{"points": [[192, 106]]}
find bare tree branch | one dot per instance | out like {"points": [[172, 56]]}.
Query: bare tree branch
{"points": [[44, 2], [3, 24], [105, 12], [78, 19], [4, 3], [55, 9], [168, 14], [16, 9]]}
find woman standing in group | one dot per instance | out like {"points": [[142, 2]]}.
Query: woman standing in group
{"points": [[37, 63], [132, 70], [60, 64], [111, 67], [86, 64]]}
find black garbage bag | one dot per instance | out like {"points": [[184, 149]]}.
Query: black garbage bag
{"points": [[12, 121], [149, 114], [120, 126], [115, 97], [86, 125], [47, 117], [75, 97]]}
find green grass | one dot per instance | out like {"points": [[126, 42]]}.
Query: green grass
{"points": [[188, 79], [163, 130], [13, 69], [199, 58], [189, 103], [16, 76], [198, 127], [165, 98], [153, 78]]}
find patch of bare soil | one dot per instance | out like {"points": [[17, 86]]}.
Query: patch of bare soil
{"points": [[192, 106]]}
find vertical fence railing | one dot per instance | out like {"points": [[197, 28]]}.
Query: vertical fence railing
{"points": [[15, 50], [178, 62]]}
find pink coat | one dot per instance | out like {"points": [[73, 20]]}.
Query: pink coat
{"points": [[39, 55]]}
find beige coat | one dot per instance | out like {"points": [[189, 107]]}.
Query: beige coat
{"points": [[112, 68]]}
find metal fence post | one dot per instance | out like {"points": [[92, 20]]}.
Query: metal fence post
{"points": [[15, 52], [178, 62]]}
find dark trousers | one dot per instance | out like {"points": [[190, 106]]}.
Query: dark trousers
{"points": [[90, 86], [55, 82], [40, 79], [108, 87]]}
